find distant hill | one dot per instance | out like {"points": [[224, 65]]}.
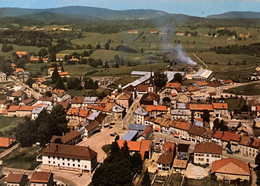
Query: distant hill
{"points": [[82, 12], [236, 15]]}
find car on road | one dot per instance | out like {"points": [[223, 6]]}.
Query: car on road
{"points": [[79, 175], [112, 134]]}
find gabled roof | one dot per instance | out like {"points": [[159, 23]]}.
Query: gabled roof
{"points": [[26, 108], [141, 111], [77, 100], [13, 108], [133, 126], [125, 96], [41, 177], [150, 108], [150, 96], [168, 146], [45, 98], [177, 163], [166, 158], [230, 136], [15, 178], [196, 130], [173, 85], [69, 151], [230, 166], [208, 148], [182, 125], [218, 134], [92, 125], [183, 147], [70, 136]]}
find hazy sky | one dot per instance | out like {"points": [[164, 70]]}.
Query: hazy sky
{"points": [[190, 7]]}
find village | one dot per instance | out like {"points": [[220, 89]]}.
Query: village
{"points": [[193, 130]]}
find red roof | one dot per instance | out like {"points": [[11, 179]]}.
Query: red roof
{"points": [[40, 177], [230, 136], [6, 142], [230, 166], [218, 134], [173, 85], [201, 107], [220, 106], [168, 145], [208, 148]]}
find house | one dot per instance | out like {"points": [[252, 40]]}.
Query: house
{"points": [[183, 151], [42, 178], [34, 58], [198, 109], [71, 138], [12, 110], [180, 129], [37, 110], [16, 95], [231, 169], [207, 152], [146, 134], [77, 101], [69, 157], [196, 133], [232, 139], [44, 88], [153, 31], [125, 99], [165, 160], [118, 111], [2, 77], [220, 110], [132, 31], [24, 111], [144, 147], [3, 105], [51, 69], [249, 146], [173, 85], [91, 128], [135, 127], [6, 142], [89, 100], [139, 115], [27, 102], [45, 100], [155, 110], [217, 137], [16, 179], [177, 114], [145, 88], [179, 165], [203, 75], [60, 95], [21, 54], [257, 122], [64, 74]]}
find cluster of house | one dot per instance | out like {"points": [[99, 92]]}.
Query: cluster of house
{"points": [[32, 58], [47, 28], [37, 178], [256, 75]]}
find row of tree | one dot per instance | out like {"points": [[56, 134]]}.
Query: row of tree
{"points": [[42, 128]]}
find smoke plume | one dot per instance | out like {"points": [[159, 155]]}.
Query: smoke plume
{"points": [[182, 56]]}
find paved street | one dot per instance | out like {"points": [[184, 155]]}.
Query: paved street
{"points": [[129, 118]]}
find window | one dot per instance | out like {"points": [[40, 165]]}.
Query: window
{"points": [[73, 165], [68, 164], [73, 159], [63, 163], [68, 159], [54, 162], [58, 158], [85, 166], [62, 158], [78, 165], [49, 157], [49, 162], [78, 160]]}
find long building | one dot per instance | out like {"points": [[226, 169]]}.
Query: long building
{"points": [[69, 157]]}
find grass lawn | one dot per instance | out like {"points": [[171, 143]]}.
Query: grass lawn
{"points": [[7, 123], [22, 158], [253, 89], [106, 148]]}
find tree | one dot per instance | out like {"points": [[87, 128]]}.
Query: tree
{"points": [[107, 46], [55, 75], [160, 79], [257, 160], [29, 82], [59, 117], [106, 65], [192, 117], [205, 116], [98, 46], [60, 84], [239, 125], [43, 52], [216, 124], [223, 126], [146, 179], [178, 77], [125, 151]]}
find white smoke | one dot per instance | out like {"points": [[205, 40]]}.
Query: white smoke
{"points": [[181, 55]]}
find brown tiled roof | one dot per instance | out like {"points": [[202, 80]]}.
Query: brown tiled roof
{"points": [[15, 178], [173, 85], [230, 136], [215, 83], [182, 125], [201, 107], [40, 177], [168, 145], [177, 163], [193, 88], [124, 96], [207, 133], [3, 102], [208, 147], [220, 106], [64, 104], [70, 136], [166, 158], [150, 108], [92, 125], [69, 151], [17, 93], [13, 108], [100, 118], [244, 140], [144, 88], [202, 83], [27, 101], [218, 134], [77, 100], [183, 147], [26, 108], [196, 130], [45, 98], [150, 96], [230, 166]]}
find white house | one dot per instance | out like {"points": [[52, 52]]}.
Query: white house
{"points": [[69, 157]]}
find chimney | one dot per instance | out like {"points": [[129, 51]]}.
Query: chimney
{"points": [[48, 145], [57, 147]]}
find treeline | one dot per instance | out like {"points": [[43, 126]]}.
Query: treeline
{"points": [[252, 49], [42, 128], [25, 38]]}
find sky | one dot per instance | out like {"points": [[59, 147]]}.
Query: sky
{"points": [[199, 8]]}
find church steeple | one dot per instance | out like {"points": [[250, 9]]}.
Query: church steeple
{"points": [[151, 83]]}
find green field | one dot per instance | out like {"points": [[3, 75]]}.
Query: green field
{"points": [[252, 89], [8, 123], [22, 158]]}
